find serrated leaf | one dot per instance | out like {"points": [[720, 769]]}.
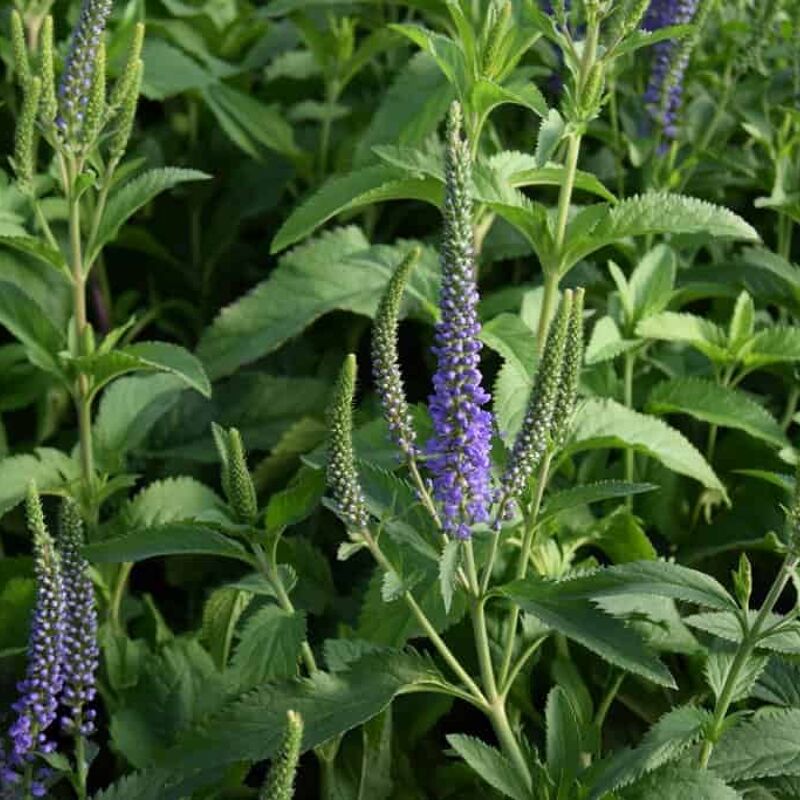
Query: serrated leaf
{"points": [[297, 501], [50, 469], [32, 246], [606, 342], [719, 405], [338, 270], [775, 345], [726, 625], [132, 196], [171, 499], [29, 324], [491, 765], [779, 683], [174, 538], [659, 212], [702, 334], [127, 412], [347, 192], [592, 493], [251, 728], [156, 784], [448, 569], [580, 620], [551, 130], [717, 668], [766, 746], [269, 647], [652, 282], [564, 744], [487, 95], [145, 357], [681, 783], [672, 735], [660, 578], [606, 423]]}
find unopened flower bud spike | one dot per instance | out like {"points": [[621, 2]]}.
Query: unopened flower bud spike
{"points": [[342, 473], [280, 780], [385, 361], [124, 85], [570, 372], [26, 136], [126, 117], [48, 108], [19, 50], [96, 107]]}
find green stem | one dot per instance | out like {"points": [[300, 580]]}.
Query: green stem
{"points": [[273, 576], [114, 611], [791, 407], [479, 627], [81, 768], [425, 624], [522, 569], [746, 647], [548, 306], [331, 96], [630, 362], [508, 741]]}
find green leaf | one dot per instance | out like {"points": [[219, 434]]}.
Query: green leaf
{"points": [[766, 746], [32, 246], [352, 191], [221, 614], [136, 193], [491, 765], [661, 578], [667, 740], [621, 537], [742, 324], [28, 323], [718, 405], [658, 212], [592, 493], [128, 410], [488, 95], [580, 620], [50, 469], [338, 270], [779, 683], [173, 538], [169, 71], [717, 671], [726, 625], [142, 357], [606, 342], [297, 501], [606, 423], [156, 784], [681, 783], [172, 499], [409, 111], [444, 51], [250, 124], [775, 345], [269, 647], [448, 568], [669, 326], [550, 132], [251, 729], [652, 282], [564, 746]]}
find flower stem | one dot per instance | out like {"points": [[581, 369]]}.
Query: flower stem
{"points": [[630, 362], [746, 647], [81, 768]]}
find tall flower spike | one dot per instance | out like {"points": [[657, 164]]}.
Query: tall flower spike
{"points": [[48, 108], [78, 78], [81, 653], [570, 371], [122, 88], [670, 58], [25, 143], [280, 781], [127, 114], [385, 362], [96, 107], [39, 692], [462, 429], [535, 434], [19, 51], [342, 474], [236, 480]]}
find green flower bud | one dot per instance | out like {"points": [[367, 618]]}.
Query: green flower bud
{"points": [[49, 104], [535, 434], [124, 85], [96, 107], [593, 90], [127, 115], [280, 781], [743, 581], [19, 50], [634, 17], [236, 480], [793, 517], [342, 474], [385, 362], [25, 143], [570, 371], [33, 513]]}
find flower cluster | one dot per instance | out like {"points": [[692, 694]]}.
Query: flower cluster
{"points": [[81, 653], [459, 449], [385, 362], [280, 781], [40, 691], [665, 88], [78, 79]]}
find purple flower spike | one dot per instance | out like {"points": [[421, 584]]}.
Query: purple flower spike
{"points": [[81, 652], [670, 59], [459, 449], [39, 692]]}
